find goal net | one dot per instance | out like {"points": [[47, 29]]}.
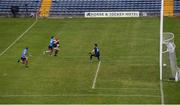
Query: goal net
{"points": [[170, 68]]}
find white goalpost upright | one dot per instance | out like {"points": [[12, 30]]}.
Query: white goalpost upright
{"points": [[161, 38], [161, 51]]}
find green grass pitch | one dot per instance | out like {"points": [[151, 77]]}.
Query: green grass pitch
{"points": [[129, 70]]}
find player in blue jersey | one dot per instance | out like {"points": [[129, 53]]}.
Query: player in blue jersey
{"points": [[24, 58], [50, 47], [95, 52]]}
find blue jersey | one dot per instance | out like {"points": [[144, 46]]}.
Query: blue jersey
{"points": [[24, 53], [51, 42], [96, 51]]}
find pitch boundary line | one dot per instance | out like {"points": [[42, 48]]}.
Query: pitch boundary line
{"points": [[80, 95], [19, 37], [162, 92], [94, 81], [126, 89]]}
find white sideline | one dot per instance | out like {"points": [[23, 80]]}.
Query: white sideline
{"points": [[162, 92], [127, 89], [94, 81], [81, 95], [18, 38]]}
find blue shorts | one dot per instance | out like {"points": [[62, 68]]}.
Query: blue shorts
{"points": [[97, 55], [50, 47], [23, 59]]}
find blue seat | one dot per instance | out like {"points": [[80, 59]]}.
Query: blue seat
{"points": [[32, 6], [67, 7]]}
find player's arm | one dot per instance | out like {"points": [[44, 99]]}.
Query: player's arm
{"points": [[93, 51]]}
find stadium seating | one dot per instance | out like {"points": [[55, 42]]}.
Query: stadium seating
{"points": [[25, 6], [78, 7], [177, 6]]}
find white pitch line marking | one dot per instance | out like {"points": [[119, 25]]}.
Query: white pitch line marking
{"points": [[162, 92], [18, 38], [80, 95], [94, 81], [127, 89]]}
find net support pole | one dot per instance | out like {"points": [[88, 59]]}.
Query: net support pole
{"points": [[161, 38]]}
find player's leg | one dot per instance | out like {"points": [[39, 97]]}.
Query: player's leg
{"points": [[91, 56], [51, 50], [47, 51], [98, 57], [20, 60], [26, 62], [23, 60], [56, 50]]}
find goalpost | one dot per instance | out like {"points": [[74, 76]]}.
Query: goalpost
{"points": [[167, 52], [161, 37]]}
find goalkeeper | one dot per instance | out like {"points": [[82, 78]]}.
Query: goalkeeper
{"points": [[95, 52]]}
